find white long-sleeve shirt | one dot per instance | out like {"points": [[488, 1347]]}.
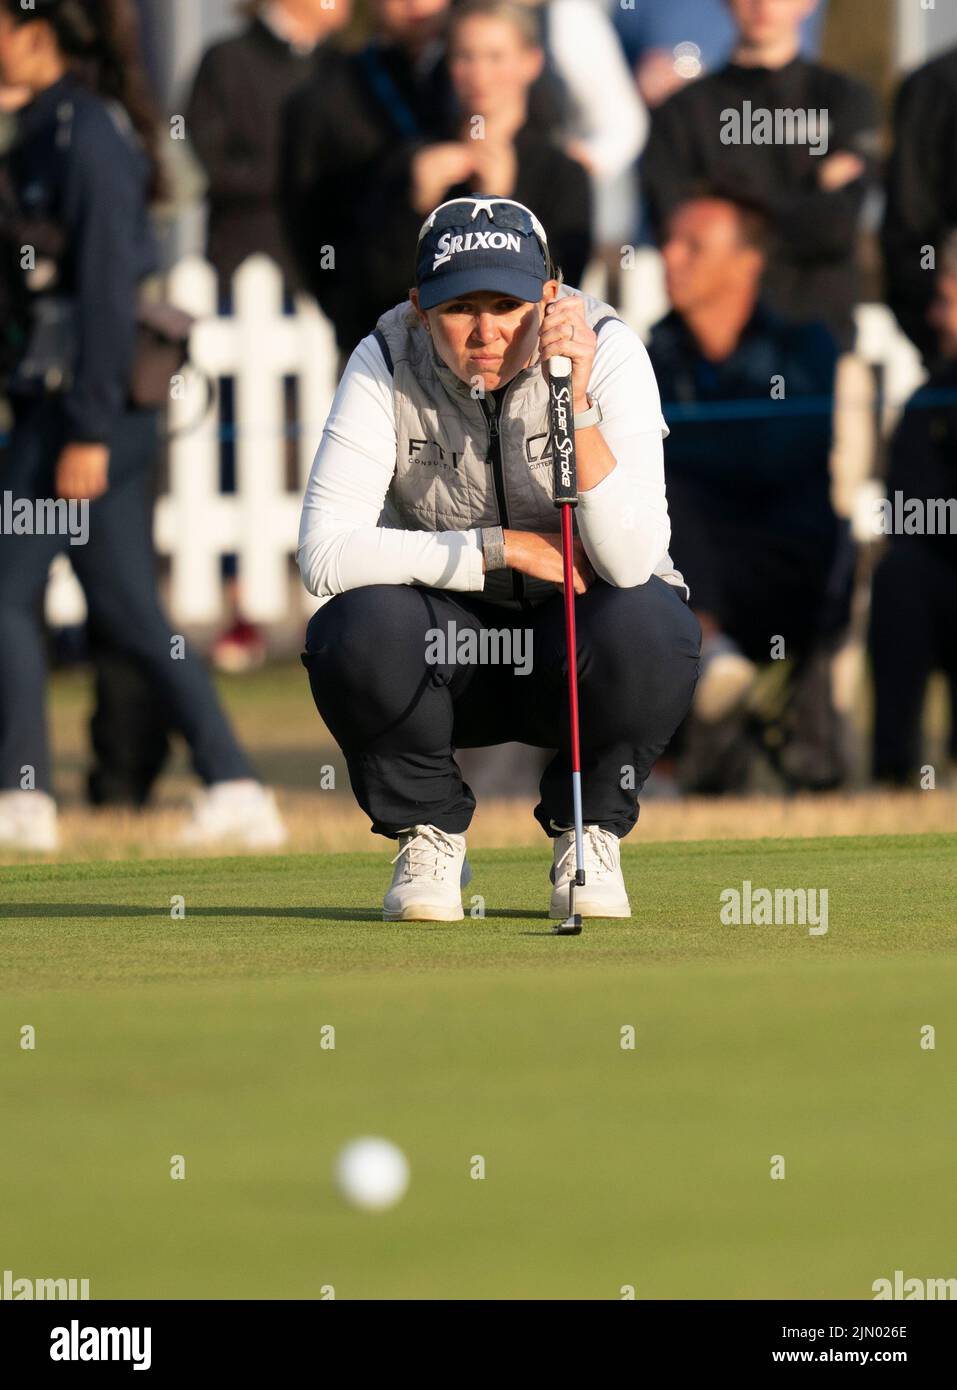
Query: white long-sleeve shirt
{"points": [[623, 521], [611, 119]]}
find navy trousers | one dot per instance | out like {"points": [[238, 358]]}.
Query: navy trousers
{"points": [[398, 710], [116, 570], [913, 633]]}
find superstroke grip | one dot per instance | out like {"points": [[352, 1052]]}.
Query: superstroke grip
{"points": [[561, 409]]}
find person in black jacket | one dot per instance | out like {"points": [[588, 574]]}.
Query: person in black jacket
{"points": [[913, 628], [747, 397], [15, 233], [335, 133], [492, 147], [234, 117], [84, 161], [797, 136], [921, 194], [341, 134]]}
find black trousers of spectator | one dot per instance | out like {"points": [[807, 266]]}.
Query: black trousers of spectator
{"points": [[760, 583], [116, 570], [756, 582], [129, 728], [398, 717], [913, 632]]}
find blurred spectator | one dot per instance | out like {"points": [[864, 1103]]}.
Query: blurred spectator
{"points": [[753, 530], [775, 128], [129, 728], [671, 42], [921, 194], [493, 149], [608, 122], [132, 724], [234, 120], [84, 162], [913, 623], [15, 233], [337, 131], [234, 117]]}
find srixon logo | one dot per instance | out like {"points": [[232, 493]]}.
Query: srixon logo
{"points": [[449, 245]]}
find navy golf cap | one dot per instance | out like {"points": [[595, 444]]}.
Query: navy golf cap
{"points": [[477, 243]]}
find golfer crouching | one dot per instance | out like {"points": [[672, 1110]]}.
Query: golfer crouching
{"points": [[430, 533]]}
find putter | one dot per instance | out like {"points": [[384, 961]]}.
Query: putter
{"points": [[565, 472]]}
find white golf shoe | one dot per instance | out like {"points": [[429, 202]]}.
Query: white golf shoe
{"points": [[242, 812], [603, 894], [430, 872], [28, 822]]}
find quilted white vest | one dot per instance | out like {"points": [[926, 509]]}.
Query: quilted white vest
{"points": [[444, 479]]}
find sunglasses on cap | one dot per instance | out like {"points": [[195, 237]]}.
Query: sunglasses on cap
{"points": [[504, 212]]}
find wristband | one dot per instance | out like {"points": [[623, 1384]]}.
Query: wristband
{"points": [[592, 416], [493, 548]]}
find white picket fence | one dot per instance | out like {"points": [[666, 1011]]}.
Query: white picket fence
{"points": [[259, 346]]}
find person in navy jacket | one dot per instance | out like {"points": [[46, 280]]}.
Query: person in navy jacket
{"points": [[84, 161]]}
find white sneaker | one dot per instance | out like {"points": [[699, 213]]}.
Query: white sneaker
{"points": [[28, 821], [603, 893], [430, 872], [242, 812], [725, 677]]}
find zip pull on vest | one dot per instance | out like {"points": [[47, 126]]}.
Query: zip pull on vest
{"points": [[491, 412]]}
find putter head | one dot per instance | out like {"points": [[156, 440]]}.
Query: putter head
{"points": [[572, 926]]}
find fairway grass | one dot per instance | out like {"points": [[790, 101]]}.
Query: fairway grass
{"points": [[605, 1167]]}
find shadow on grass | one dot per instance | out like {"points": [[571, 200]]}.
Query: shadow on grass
{"points": [[320, 913]]}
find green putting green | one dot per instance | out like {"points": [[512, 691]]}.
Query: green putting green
{"points": [[206, 1035]]}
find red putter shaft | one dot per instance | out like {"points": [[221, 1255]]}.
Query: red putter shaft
{"points": [[565, 484], [568, 558]]}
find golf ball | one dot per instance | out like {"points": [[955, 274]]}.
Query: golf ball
{"points": [[372, 1174]]}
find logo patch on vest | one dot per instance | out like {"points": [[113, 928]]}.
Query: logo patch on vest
{"points": [[431, 454], [538, 449]]}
